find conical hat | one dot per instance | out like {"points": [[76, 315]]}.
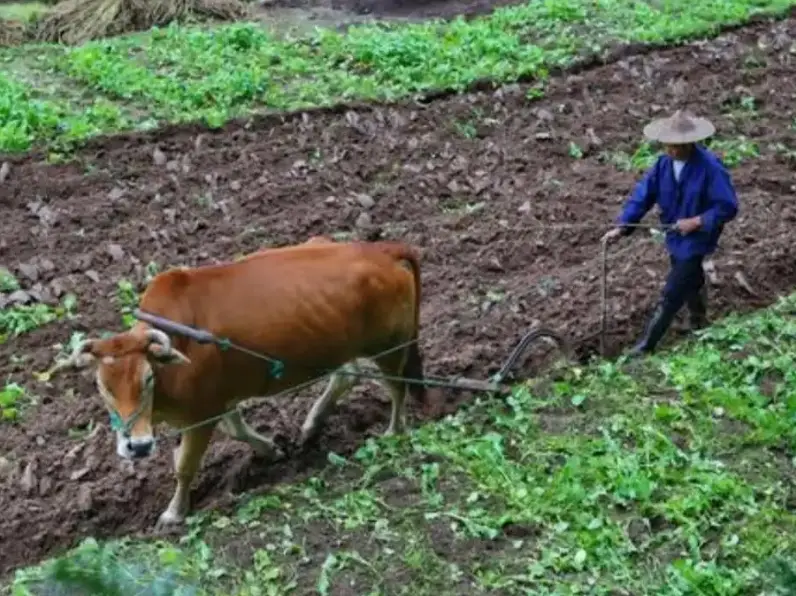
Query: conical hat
{"points": [[679, 128]]}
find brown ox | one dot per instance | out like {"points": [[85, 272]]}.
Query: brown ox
{"points": [[315, 307]]}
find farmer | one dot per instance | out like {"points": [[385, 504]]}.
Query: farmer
{"points": [[696, 198]]}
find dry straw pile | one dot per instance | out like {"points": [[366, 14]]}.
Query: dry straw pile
{"points": [[78, 21]]}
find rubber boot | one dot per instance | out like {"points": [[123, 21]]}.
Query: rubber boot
{"points": [[698, 309], [656, 328]]}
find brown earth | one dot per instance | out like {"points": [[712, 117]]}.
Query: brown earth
{"points": [[476, 181], [401, 9]]}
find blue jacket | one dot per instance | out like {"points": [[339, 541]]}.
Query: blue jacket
{"points": [[705, 189]]}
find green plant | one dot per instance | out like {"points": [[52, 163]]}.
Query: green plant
{"points": [[8, 283], [734, 151], [93, 568], [11, 399], [127, 296], [20, 319], [640, 160], [188, 73], [25, 119]]}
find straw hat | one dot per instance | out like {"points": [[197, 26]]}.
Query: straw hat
{"points": [[679, 129]]}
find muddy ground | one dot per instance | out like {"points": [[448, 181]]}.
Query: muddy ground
{"points": [[474, 181]]}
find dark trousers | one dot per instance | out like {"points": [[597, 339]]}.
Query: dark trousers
{"points": [[685, 285]]}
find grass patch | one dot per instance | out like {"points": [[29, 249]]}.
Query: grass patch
{"points": [[180, 74], [26, 119], [672, 476], [23, 318], [12, 399]]}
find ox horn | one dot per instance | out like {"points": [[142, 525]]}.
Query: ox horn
{"points": [[157, 336]]}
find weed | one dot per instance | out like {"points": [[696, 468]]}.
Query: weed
{"points": [[748, 103], [24, 119], [732, 152], [127, 297], [640, 160], [466, 129], [20, 319], [12, 397], [535, 91], [8, 283], [104, 569]]}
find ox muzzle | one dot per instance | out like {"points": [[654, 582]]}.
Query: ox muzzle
{"points": [[141, 445]]}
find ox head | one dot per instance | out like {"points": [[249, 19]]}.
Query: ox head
{"points": [[125, 376]]}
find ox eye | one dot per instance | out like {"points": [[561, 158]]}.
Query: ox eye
{"points": [[149, 382]]}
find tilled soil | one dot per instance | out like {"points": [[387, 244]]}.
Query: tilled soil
{"points": [[477, 182]]}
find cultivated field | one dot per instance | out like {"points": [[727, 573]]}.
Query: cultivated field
{"points": [[673, 478]]}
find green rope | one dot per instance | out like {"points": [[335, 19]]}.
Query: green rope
{"points": [[277, 366], [116, 422]]}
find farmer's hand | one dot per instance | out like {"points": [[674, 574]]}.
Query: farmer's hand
{"points": [[612, 235], [688, 225]]}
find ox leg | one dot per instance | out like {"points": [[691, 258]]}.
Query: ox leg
{"points": [[339, 385], [392, 365], [187, 461], [234, 426]]}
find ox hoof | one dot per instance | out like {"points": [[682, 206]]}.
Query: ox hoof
{"points": [[169, 519]]}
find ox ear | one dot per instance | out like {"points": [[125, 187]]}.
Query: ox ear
{"points": [[161, 355]]}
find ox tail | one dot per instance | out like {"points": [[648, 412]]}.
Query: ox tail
{"points": [[413, 365]]}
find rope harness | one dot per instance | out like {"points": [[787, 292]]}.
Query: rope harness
{"points": [[125, 427]]}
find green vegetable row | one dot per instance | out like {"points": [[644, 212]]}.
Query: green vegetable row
{"points": [[57, 96]]}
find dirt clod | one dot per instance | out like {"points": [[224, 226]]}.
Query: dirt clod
{"points": [[158, 157], [29, 481], [364, 220], [116, 252]]}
